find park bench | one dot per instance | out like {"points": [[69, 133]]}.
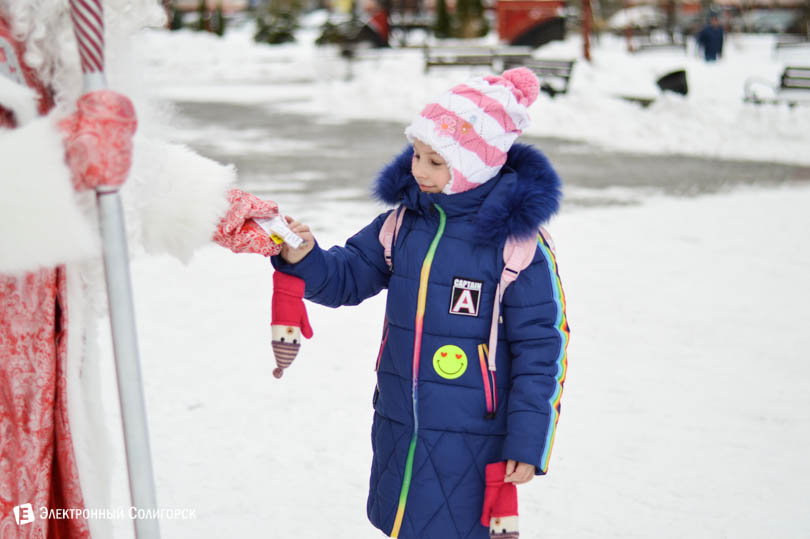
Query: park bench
{"points": [[401, 25], [793, 88], [496, 58], [554, 75], [789, 43], [647, 45]]}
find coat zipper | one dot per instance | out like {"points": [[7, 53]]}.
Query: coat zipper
{"points": [[417, 350], [490, 387]]}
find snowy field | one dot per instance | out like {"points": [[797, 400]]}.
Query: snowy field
{"points": [[686, 411], [711, 121]]}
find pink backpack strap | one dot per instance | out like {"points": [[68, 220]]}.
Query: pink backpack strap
{"points": [[389, 231], [517, 255], [549, 241]]}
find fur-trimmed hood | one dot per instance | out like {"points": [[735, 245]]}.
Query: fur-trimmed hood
{"points": [[525, 194]]}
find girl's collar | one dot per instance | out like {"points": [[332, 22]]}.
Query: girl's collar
{"points": [[522, 196]]}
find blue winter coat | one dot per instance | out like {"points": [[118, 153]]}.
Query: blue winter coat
{"points": [[710, 39], [442, 420]]}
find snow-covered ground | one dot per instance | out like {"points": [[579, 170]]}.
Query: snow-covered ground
{"points": [[711, 121], [685, 412]]}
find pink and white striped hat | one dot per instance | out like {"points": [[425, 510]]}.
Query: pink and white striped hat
{"points": [[473, 125]]}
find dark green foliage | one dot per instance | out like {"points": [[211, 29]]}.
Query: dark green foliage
{"points": [[349, 32], [278, 22], [469, 19], [331, 33], [443, 27], [177, 19], [218, 20], [203, 23]]}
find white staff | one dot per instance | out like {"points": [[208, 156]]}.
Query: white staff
{"points": [[88, 24]]}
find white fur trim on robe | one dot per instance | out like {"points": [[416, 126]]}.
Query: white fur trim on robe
{"points": [[179, 195], [92, 431], [173, 201], [19, 99], [41, 224]]}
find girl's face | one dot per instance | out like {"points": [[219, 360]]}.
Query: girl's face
{"points": [[429, 169]]}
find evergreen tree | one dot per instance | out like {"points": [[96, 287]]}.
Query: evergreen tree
{"points": [[218, 20], [470, 19], [176, 22], [278, 22], [202, 11], [442, 28]]}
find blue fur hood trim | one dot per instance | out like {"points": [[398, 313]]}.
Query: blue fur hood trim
{"points": [[526, 194]]}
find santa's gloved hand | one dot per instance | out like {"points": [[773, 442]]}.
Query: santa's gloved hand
{"points": [[289, 320], [500, 511], [238, 233], [98, 140]]}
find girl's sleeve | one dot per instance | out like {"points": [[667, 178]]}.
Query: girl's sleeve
{"points": [[536, 329], [343, 275]]}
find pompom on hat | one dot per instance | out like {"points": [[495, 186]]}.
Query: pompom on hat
{"points": [[473, 125]]}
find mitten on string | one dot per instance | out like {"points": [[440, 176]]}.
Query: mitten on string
{"points": [[237, 231], [98, 140], [289, 320], [500, 511]]}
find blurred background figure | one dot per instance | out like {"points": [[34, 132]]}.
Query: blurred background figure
{"points": [[710, 39]]}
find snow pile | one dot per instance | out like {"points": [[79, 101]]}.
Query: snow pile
{"points": [[711, 121]]}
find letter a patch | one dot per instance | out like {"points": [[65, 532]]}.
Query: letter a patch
{"points": [[466, 296]]}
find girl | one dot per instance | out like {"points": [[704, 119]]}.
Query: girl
{"points": [[439, 419]]}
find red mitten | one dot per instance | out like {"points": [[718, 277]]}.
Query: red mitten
{"points": [[289, 320], [500, 512], [241, 235], [98, 140]]}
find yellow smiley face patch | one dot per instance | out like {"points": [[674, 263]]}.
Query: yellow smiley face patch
{"points": [[450, 361]]}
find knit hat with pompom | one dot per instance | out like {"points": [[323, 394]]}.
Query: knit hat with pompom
{"points": [[473, 125]]}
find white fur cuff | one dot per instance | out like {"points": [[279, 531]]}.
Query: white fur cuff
{"points": [[181, 197], [40, 220]]}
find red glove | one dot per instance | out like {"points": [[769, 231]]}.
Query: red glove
{"points": [[289, 320], [98, 140], [241, 235], [500, 503]]}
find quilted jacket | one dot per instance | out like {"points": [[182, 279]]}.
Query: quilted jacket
{"points": [[440, 415]]}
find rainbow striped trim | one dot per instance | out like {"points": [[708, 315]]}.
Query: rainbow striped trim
{"points": [[561, 325], [417, 351]]}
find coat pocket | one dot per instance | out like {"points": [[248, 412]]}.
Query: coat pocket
{"points": [[382, 343], [379, 358], [488, 378]]}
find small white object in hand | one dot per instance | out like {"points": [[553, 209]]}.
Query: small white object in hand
{"points": [[280, 232]]}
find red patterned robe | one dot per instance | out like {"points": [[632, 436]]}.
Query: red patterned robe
{"points": [[37, 463], [55, 436]]}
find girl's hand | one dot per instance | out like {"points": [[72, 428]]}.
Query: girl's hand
{"points": [[518, 472], [294, 256]]}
